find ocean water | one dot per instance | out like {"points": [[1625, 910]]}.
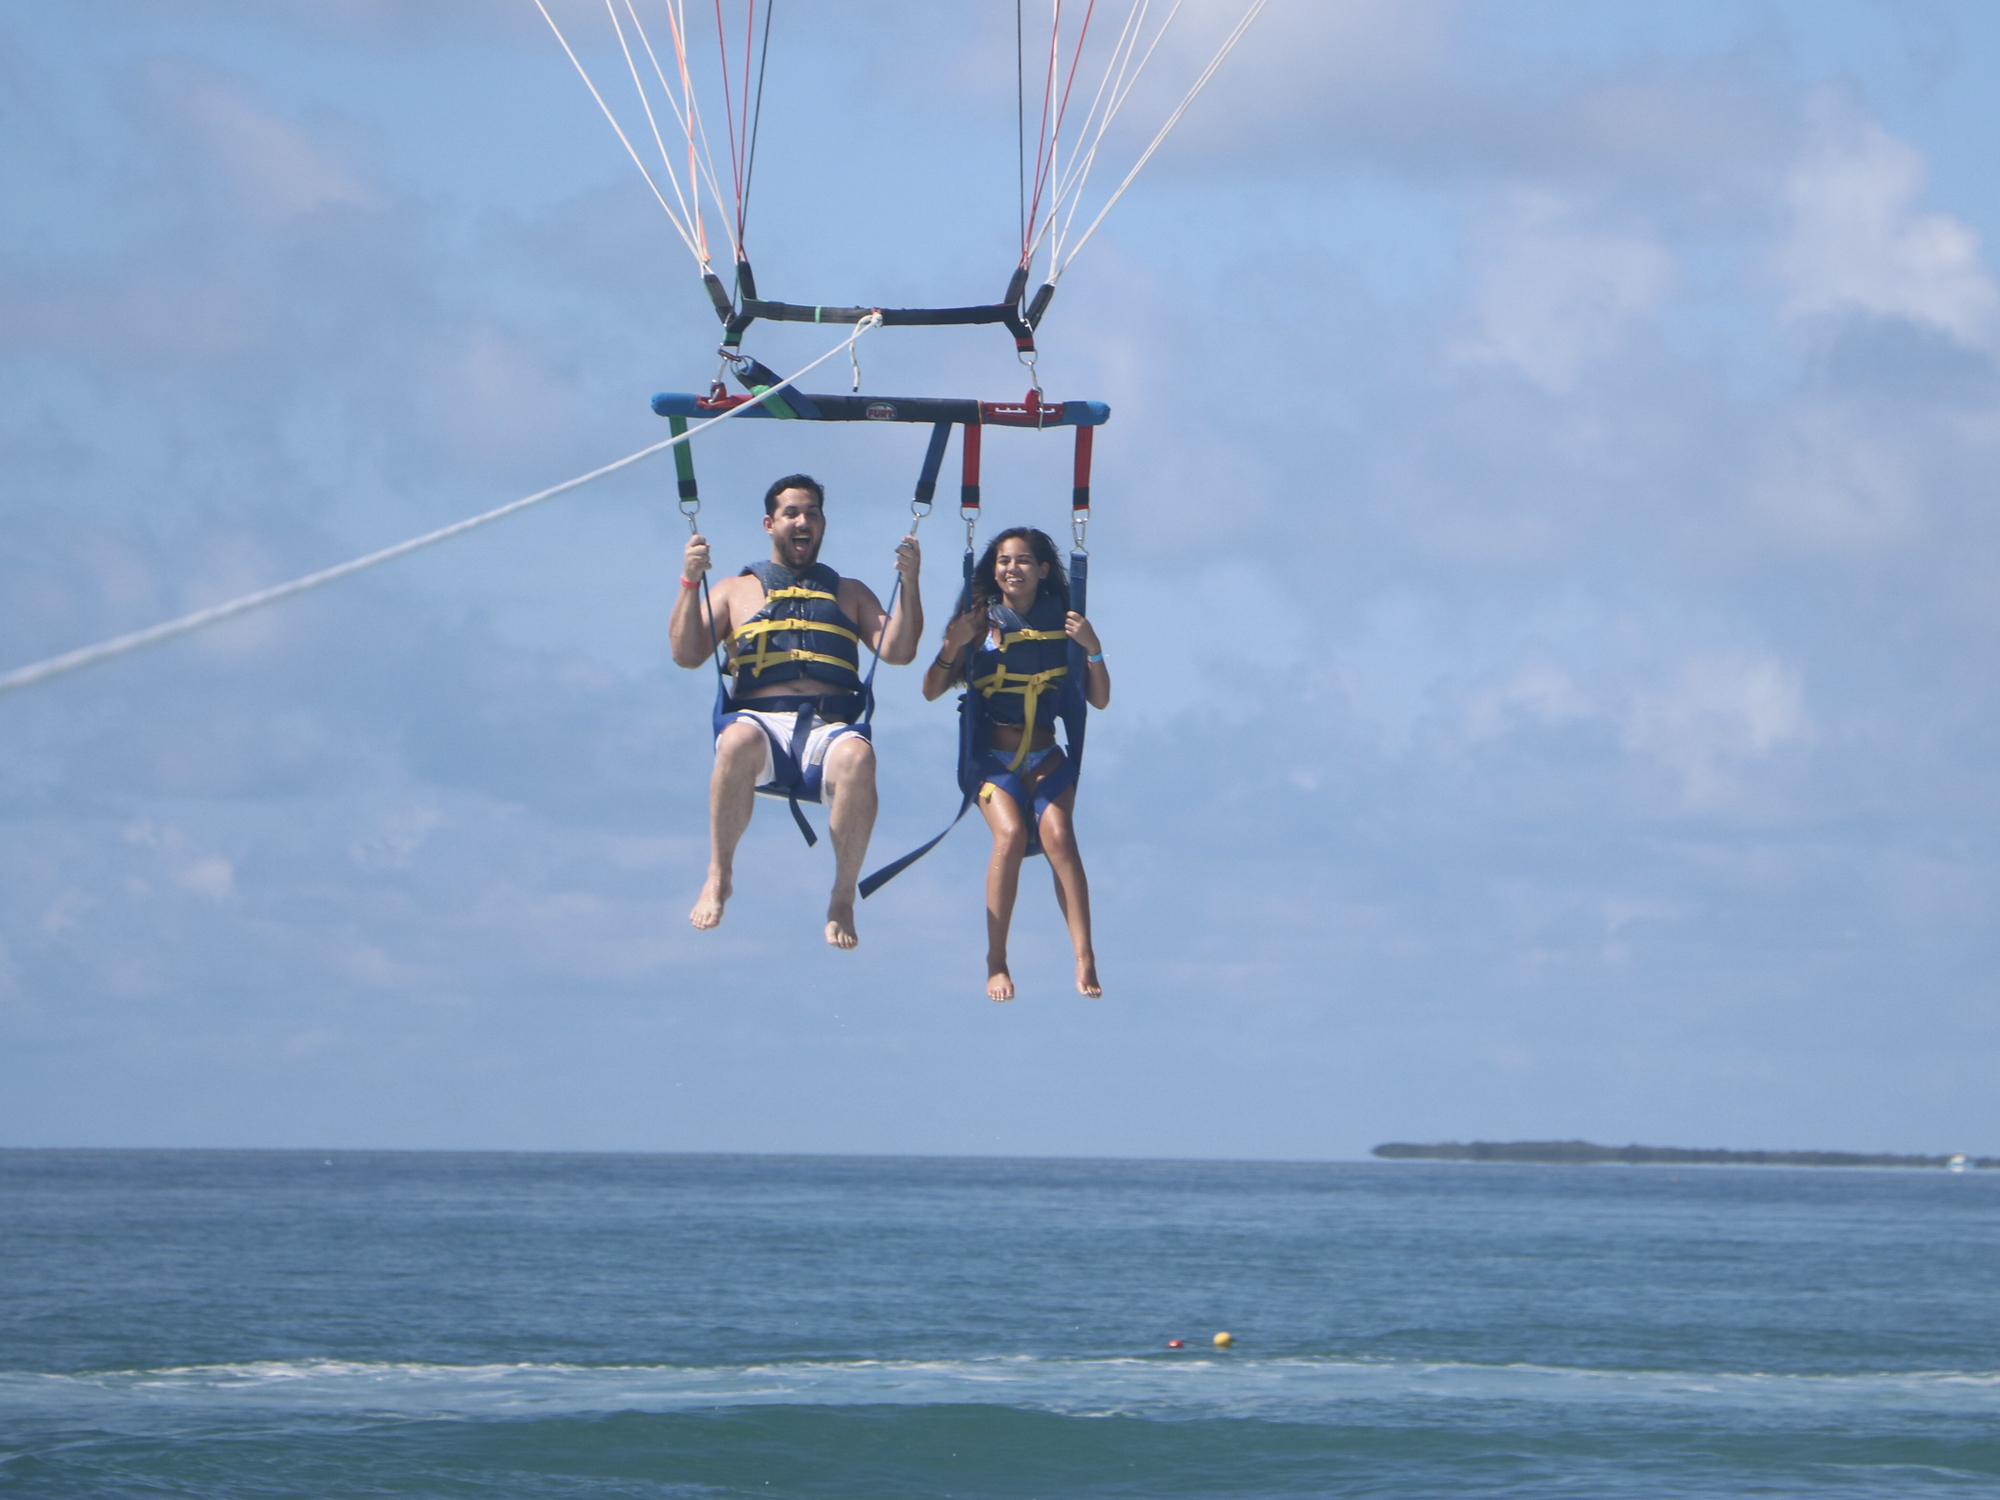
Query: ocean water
{"points": [[230, 1325]]}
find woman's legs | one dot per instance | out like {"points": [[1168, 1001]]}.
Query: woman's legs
{"points": [[1058, 836], [1003, 882]]}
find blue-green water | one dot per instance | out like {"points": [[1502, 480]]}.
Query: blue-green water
{"points": [[231, 1325]]}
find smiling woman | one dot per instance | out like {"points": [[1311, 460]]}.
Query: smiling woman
{"points": [[1017, 637]]}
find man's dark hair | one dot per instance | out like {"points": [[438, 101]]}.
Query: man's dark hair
{"points": [[793, 482]]}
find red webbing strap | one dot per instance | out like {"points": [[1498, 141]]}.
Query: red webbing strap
{"points": [[1079, 499], [968, 486]]}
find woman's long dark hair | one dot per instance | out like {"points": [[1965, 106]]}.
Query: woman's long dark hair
{"points": [[982, 590]]}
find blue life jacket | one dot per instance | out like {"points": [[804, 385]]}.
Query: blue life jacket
{"points": [[1018, 663], [799, 632]]}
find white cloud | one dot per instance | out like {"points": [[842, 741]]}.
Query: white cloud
{"points": [[1858, 242], [1540, 693], [396, 838], [186, 867], [279, 171], [1718, 716], [66, 913], [492, 395], [209, 876], [1558, 293], [1829, 479]]}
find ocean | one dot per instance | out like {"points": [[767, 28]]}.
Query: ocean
{"points": [[265, 1324]]}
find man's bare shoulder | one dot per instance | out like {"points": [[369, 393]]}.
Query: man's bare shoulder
{"points": [[737, 595], [855, 596]]}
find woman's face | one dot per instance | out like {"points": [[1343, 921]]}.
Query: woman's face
{"points": [[1017, 572]]}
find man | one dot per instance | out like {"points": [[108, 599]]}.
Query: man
{"points": [[793, 630]]}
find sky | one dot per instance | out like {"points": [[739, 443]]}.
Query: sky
{"points": [[1544, 541]]}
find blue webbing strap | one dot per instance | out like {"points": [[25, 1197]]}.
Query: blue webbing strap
{"points": [[968, 730], [933, 461], [801, 731]]}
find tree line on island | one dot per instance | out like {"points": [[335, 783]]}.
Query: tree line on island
{"points": [[1587, 1153]]}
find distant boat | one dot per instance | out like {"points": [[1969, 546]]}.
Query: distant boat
{"points": [[1956, 1162]]}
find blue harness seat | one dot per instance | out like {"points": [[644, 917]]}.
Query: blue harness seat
{"points": [[799, 634]]}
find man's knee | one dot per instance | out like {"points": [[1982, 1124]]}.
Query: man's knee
{"points": [[850, 762], [739, 749]]}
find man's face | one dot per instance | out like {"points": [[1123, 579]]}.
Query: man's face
{"points": [[797, 526]]}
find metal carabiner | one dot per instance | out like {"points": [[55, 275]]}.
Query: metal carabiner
{"points": [[1028, 357]]}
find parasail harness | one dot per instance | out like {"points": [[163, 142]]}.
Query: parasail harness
{"points": [[800, 631]]}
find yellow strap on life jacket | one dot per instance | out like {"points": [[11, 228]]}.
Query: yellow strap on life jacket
{"points": [[763, 658], [1029, 687]]}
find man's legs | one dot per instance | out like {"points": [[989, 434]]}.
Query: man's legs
{"points": [[732, 792], [848, 789]]}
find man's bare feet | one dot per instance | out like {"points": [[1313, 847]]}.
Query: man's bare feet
{"points": [[708, 905], [840, 923], [999, 983], [1086, 979]]}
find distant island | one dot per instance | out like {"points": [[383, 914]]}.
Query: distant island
{"points": [[1585, 1153]]}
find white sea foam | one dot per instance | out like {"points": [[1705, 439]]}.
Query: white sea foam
{"points": [[1285, 1387]]}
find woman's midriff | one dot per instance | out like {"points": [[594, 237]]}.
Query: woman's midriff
{"points": [[1008, 736]]}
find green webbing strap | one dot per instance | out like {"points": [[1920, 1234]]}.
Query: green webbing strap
{"points": [[684, 467], [691, 508]]}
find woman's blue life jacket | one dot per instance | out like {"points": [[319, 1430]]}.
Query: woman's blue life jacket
{"points": [[1023, 669]]}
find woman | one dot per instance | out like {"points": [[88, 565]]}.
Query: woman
{"points": [[1008, 642]]}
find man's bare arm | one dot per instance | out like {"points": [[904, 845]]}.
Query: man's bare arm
{"points": [[688, 628], [895, 637]]}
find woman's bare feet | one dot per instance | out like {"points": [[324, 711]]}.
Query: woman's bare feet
{"points": [[708, 905], [999, 983], [1086, 978], [840, 923]]}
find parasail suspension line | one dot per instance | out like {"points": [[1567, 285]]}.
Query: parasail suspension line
{"points": [[70, 661]]}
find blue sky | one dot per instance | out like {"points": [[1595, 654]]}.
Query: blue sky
{"points": [[1545, 540]]}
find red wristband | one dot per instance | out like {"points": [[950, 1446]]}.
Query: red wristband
{"points": [[690, 583]]}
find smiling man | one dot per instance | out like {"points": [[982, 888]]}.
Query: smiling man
{"points": [[793, 631]]}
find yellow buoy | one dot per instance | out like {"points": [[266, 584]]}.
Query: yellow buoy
{"points": [[1224, 1340]]}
